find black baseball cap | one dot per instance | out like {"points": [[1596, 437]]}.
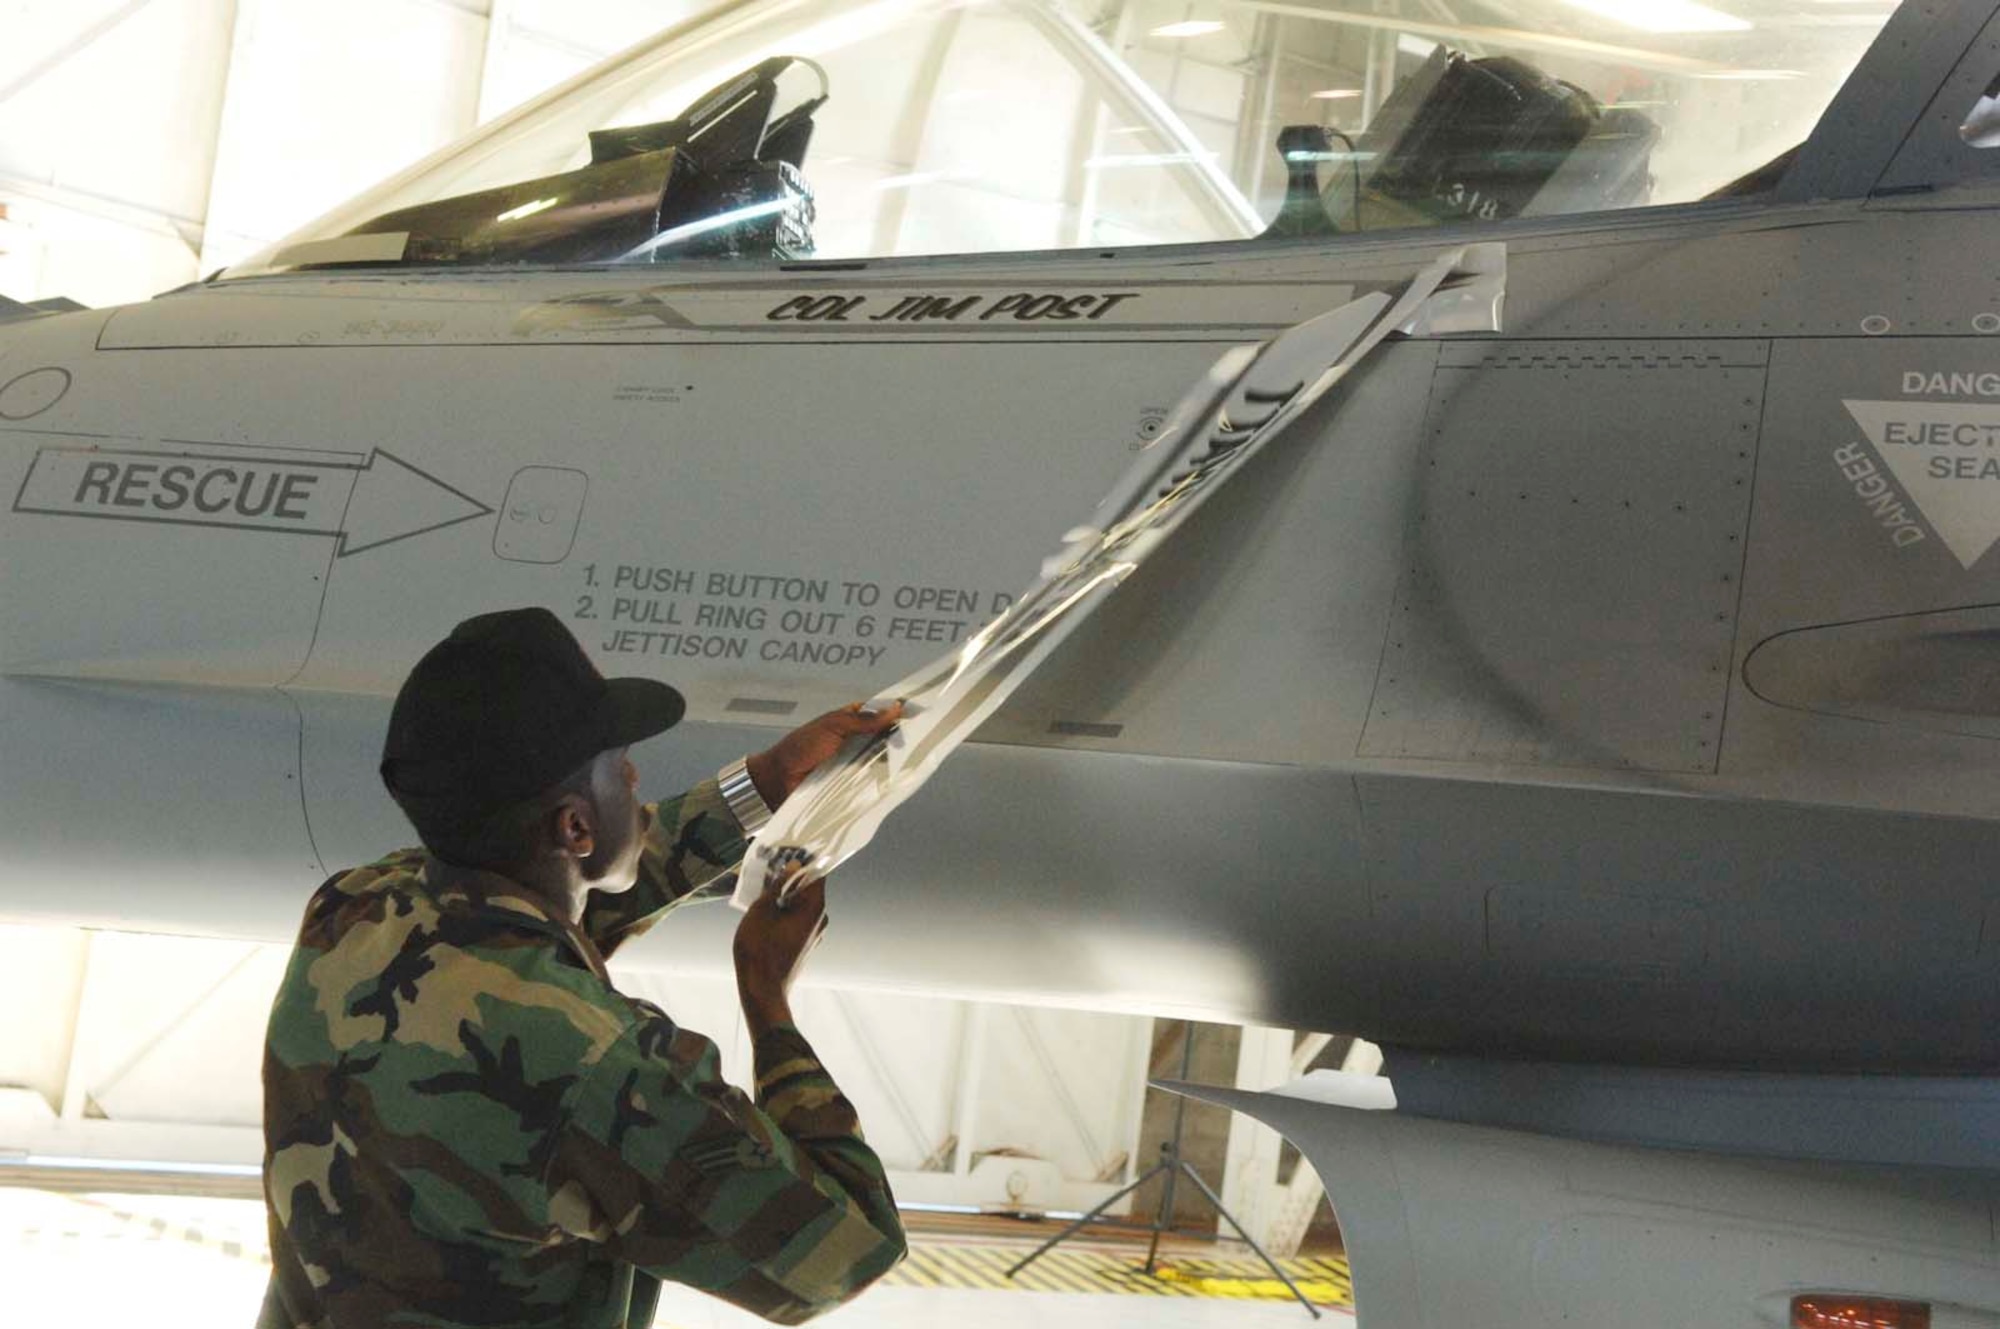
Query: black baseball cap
{"points": [[505, 707]]}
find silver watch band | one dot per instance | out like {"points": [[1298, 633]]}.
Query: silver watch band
{"points": [[739, 791]]}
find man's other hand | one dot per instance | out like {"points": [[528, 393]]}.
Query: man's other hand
{"points": [[772, 942], [783, 766]]}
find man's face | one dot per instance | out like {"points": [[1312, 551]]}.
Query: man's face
{"points": [[614, 787]]}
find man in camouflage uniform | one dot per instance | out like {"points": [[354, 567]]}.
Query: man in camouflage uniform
{"points": [[465, 1123]]}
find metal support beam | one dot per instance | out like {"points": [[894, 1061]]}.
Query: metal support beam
{"points": [[914, 133], [1267, 48], [878, 1069], [146, 1047], [1250, 1166], [72, 48], [971, 1072], [1307, 1051], [71, 1107], [1363, 1058], [1072, 1111]]}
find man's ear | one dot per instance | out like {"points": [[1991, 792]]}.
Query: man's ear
{"points": [[576, 827]]}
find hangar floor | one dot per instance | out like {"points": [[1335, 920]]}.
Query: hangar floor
{"points": [[200, 1260]]}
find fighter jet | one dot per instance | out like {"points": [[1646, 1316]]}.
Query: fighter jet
{"points": [[1598, 712]]}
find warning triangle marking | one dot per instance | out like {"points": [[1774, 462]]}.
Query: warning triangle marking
{"points": [[1946, 457]]}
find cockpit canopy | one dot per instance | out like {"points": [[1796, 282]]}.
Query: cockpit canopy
{"points": [[851, 129]]}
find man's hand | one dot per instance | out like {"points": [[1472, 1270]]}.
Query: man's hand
{"points": [[783, 766], [772, 943]]}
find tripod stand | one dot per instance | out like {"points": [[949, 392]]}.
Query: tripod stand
{"points": [[1171, 1166]]}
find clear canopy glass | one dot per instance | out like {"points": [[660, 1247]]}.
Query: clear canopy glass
{"points": [[771, 130]]}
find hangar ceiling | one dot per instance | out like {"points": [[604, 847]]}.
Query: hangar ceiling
{"points": [[145, 143]]}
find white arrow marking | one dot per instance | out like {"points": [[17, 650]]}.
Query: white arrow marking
{"points": [[395, 500], [362, 504]]}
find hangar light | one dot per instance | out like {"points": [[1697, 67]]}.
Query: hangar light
{"points": [[1116, 161], [1750, 75], [1664, 15], [1197, 27], [73, 1163], [526, 210]]}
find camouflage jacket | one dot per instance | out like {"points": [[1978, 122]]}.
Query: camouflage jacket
{"points": [[465, 1123]]}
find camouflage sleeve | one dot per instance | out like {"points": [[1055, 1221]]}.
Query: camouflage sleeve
{"points": [[778, 1207], [692, 843]]}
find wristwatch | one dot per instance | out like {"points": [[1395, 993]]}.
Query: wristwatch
{"points": [[739, 791]]}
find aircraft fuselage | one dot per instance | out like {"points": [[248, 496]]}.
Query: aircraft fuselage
{"points": [[1610, 687]]}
